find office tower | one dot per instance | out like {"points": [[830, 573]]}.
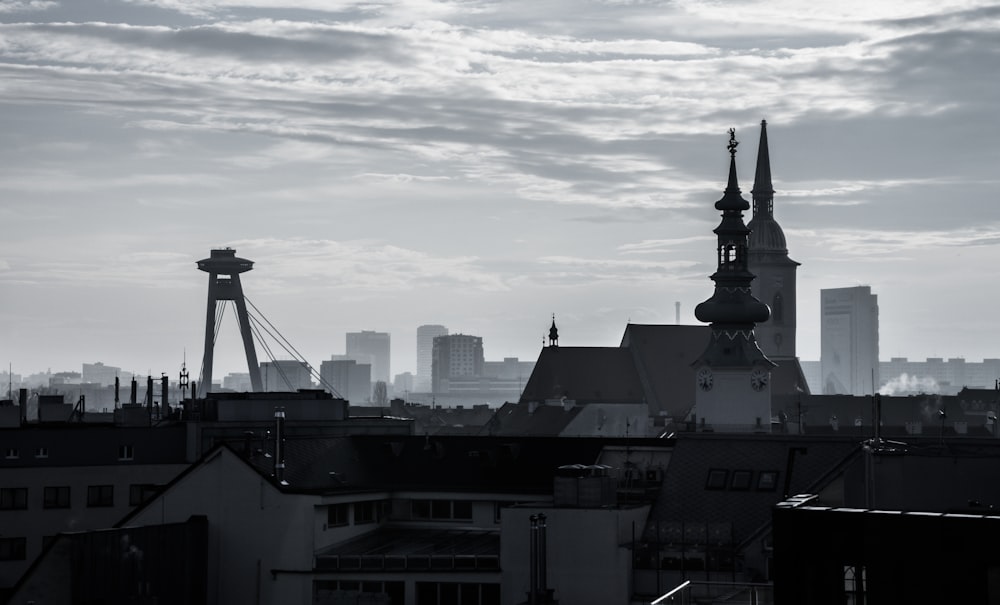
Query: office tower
{"points": [[425, 355], [456, 356], [375, 345], [286, 375], [849, 340], [768, 261], [352, 380]]}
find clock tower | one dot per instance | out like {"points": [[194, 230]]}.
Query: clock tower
{"points": [[733, 375]]}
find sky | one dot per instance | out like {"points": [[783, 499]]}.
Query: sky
{"points": [[483, 165]]}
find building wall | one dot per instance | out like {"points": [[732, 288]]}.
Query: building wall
{"points": [[285, 375], [253, 530], [456, 356], [425, 355], [352, 380], [36, 523], [849, 340], [589, 559], [376, 344], [775, 287]]}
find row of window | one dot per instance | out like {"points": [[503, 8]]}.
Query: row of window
{"points": [[373, 511], [58, 496], [125, 452], [741, 480], [370, 511]]}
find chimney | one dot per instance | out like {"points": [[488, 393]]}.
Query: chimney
{"points": [[279, 445], [118, 385], [164, 406], [135, 390], [22, 400]]}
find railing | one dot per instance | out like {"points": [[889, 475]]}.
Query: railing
{"points": [[720, 593], [681, 594]]}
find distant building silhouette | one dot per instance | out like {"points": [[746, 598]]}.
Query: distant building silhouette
{"points": [[98, 373], [456, 356], [285, 375], [425, 355], [849, 340], [352, 380], [376, 346]]}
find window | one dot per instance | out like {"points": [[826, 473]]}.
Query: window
{"points": [[126, 452], [767, 481], [716, 478], [56, 497], [336, 515], [139, 493], [13, 498], [100, 495], [12, 453], [367, 512], [466, 593], [741, 480], [462, 509], [441, 510], [854, 584], [13, 549], [777, 309], [41, 452]]}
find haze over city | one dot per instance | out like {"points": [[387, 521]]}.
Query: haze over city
{"points": [[482, 165]]}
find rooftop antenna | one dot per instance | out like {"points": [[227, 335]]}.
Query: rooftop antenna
{"points": [[185, 378]]}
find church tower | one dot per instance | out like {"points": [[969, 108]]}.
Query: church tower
{"points": [[775, 283], [733, 375]]}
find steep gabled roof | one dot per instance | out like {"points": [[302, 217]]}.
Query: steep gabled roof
{"points": [[663, 355], [584, 375], [687, 498]]}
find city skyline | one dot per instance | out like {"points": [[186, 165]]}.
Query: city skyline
{"points": [[482, 166]]}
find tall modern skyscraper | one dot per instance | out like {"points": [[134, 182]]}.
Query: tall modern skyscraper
{"points": [[425, 355], [849, 341], [768, 261], [456, 356], [374, 345]]}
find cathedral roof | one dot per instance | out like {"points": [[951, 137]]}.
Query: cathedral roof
{"points": [[766, 235]]}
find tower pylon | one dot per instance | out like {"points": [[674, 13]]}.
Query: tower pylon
{"points": [[224, 268]]}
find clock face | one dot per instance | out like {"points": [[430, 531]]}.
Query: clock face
{"points": [[705, 379], [758, 379]]}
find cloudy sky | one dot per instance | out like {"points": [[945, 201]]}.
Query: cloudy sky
{"points": [[483, 164]]}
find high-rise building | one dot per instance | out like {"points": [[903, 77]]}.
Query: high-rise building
{"points": [[352, 380], [285, 375], [425, 355], [98, 373], [456, 356], [375, 344], [849, 341]]}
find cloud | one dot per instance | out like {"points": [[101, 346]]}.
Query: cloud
{"points": [[362, 266]]}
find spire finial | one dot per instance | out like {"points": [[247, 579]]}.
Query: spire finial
{"points": [[733, 143]]}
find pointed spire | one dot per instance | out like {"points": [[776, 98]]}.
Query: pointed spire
{"points": [[763, 190], [731, 198], [553, 333]]}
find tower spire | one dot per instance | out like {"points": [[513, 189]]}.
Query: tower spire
{"points": [[732, 310], [763, 190]]}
